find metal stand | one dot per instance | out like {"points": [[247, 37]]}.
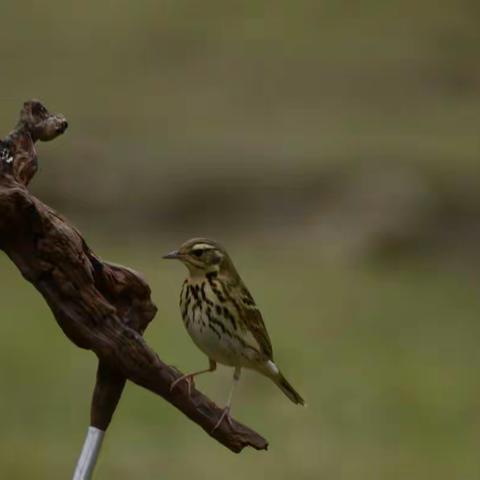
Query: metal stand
{"points": [[88, 457]]}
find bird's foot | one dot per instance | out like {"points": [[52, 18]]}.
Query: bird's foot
{"points": [[187, 378], [225, 416]]}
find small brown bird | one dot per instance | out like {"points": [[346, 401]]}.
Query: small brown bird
{"points": [[221, 317]]}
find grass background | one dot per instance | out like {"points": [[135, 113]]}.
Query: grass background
{"points": [[386, 360], [333, 148]]}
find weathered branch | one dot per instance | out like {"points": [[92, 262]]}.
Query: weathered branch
{"points": [[100, 306]]}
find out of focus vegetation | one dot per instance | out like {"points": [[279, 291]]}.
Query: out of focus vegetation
{"points": [[356, 124], [387, 360], [311, 137]]}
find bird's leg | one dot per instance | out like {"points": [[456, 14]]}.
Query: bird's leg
{"points": [[226, 411], [190, 376]]}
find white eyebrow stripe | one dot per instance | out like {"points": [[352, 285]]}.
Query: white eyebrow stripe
{"points": [[202, 246]]}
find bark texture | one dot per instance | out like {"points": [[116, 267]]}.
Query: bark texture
{"points": [[100, 306]]}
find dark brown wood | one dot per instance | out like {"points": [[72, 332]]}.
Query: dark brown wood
{"points": [[107, 393], [100, 306]]}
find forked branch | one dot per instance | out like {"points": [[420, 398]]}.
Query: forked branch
{"points": [[99, 306]]}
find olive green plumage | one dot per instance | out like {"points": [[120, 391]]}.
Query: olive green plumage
{"points": [[221, 316]]}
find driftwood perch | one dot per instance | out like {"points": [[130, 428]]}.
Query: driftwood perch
{"points": [[99, 306]]}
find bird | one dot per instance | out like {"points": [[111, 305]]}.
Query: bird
{"points": [[223, 320]]}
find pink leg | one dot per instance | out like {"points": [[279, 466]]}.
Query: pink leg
{"points": [[190, 376], [225, 416], [226, 411]]}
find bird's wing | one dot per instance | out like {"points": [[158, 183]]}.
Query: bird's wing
{"points": [[252, 319]]}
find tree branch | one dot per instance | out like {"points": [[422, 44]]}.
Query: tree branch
{"points": [[99, 306]]}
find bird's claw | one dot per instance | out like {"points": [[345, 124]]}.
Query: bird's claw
{"points": [[225, 416], [186, 378]]}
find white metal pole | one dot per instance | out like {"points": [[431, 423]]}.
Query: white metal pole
{"points": [[88, 457]]}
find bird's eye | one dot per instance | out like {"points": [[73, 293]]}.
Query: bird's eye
{"points": [[197, 252]]}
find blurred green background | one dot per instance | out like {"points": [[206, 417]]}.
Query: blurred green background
{"points": [[333, 147]]}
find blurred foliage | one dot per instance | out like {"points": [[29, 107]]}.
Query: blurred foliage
{"points": [[385, 359], [309, 137], [193, 117]]}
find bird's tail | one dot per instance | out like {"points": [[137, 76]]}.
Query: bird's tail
{"points": [[288, 390]]}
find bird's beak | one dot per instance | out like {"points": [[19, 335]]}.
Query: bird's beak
{"points": [[175, 254]]}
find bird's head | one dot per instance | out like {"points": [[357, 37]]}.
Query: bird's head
{"points": [[202, 256]]}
